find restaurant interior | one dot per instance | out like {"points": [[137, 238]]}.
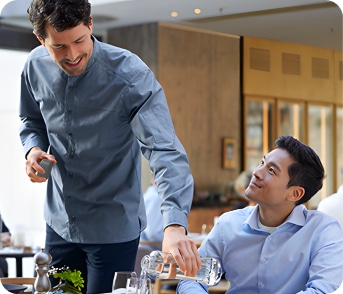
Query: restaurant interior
{"points": [[235, 80]]}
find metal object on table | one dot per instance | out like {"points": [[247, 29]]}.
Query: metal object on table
{"points": [[42, 260]]}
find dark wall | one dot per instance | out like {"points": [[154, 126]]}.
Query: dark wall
{"points": [[17, 39]]}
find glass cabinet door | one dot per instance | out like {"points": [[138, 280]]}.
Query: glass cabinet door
{"points": [[291, 120], [320, 139], [259, 131]]}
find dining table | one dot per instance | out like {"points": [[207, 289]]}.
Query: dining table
{"points": [[18, 254]]}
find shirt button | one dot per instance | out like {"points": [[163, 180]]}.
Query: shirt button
{"points": [[68, 196], [261, 285], [70, 174], [73, 217]]}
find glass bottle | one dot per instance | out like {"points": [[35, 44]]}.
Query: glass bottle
{"points": [[163, 266]]}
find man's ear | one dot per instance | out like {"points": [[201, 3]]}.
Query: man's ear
{"points": [[91, 24], [296, 194], [40, 39]]}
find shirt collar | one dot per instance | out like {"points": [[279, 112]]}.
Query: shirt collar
{"points": [[94, 53], [297, 217]]}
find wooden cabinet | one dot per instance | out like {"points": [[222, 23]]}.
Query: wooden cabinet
{"points": [[204, 215]]}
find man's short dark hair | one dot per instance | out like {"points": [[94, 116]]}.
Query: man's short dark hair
{"points": [[307, 172], [61, 14]]}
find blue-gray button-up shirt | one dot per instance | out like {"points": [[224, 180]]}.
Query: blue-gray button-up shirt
{"points": [[96, 124]]}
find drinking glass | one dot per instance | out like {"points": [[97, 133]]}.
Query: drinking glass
{"points": [[140, 285]]}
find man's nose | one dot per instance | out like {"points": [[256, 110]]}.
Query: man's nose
{"points": [[257, 173], [72, 53]]}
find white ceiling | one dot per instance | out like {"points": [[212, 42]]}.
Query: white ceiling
{"points": [[310, 22]]}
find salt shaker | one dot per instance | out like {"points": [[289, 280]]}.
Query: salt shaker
{"points": [[42, 260], [163, 266]]}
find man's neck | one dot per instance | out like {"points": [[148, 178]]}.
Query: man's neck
{"points": [[274, 217]]}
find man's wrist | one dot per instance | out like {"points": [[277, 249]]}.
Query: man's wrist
{"points": [[176, 227], [32, 149]]}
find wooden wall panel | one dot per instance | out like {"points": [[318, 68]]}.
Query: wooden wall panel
{"points": [[275, 83], [338, 78], [200, 73]]}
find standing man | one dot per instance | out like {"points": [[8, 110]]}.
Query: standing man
{"points": [[278, 246], [97, 106]]}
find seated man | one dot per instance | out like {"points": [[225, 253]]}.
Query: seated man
{"points": [[6, 241], [154, 228], [278, 246]]}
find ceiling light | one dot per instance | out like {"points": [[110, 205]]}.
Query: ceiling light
{"points": [[197, 10], [174, 14]]}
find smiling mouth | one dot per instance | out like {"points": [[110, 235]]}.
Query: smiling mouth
{"points": [[73, 63], [253, 183]]}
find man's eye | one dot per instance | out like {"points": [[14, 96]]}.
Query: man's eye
{"points": [[271, 170]]}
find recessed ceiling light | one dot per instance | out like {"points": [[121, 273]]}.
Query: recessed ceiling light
{"points": [[197, 10], [174, 14]]}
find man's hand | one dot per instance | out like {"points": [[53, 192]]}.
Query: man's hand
{"points": [[34, 157], [182, 248]]}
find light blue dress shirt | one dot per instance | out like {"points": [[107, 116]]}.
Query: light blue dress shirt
{"points": [[154, 229], [303, 255], [96, 124]]}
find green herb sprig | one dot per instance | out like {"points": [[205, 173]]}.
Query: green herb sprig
{"points": [[65, 274]]}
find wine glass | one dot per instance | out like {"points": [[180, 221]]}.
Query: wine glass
{"points": [[141, 285], [120, 281]]}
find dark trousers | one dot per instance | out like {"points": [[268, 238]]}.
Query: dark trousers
{"points": [[97, 262]]}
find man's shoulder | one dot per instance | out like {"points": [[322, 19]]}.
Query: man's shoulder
{"points": [[119, 61], [117, 56], [318, 219], [38, 52]]}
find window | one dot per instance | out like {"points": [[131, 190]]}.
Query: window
{"points": [[19, 197]]}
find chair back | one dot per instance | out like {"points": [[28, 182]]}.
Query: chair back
{"points": [[21, 281]]}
